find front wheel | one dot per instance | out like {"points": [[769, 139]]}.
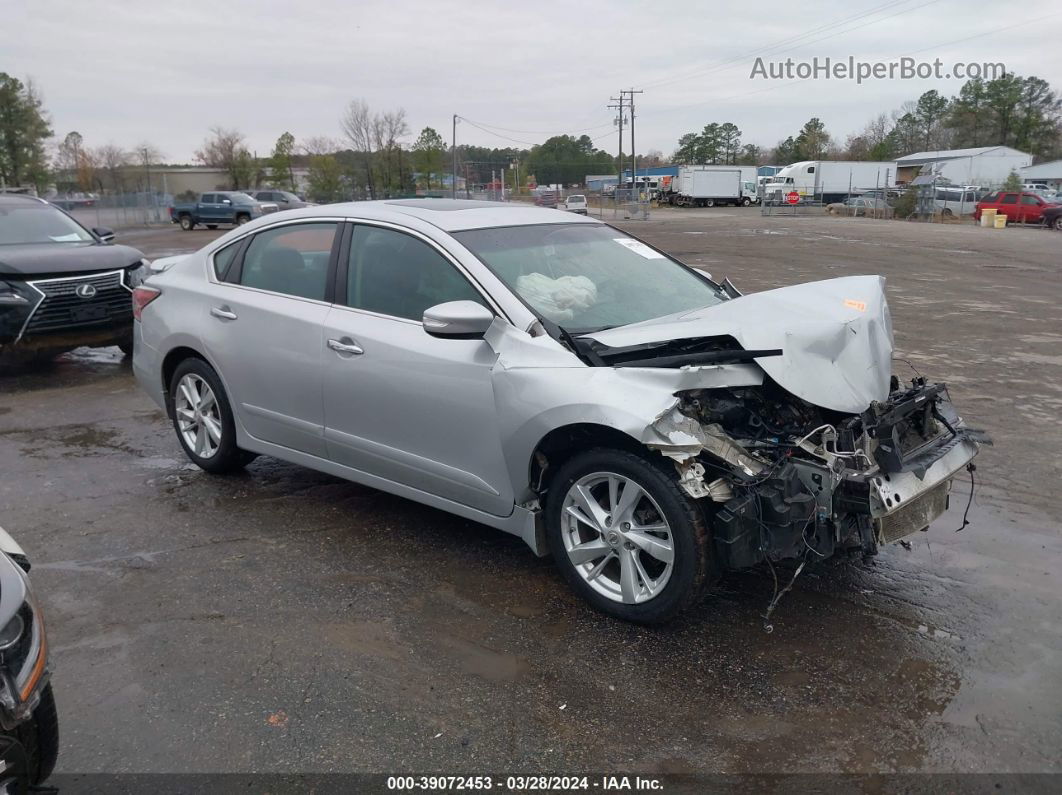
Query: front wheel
{"points": [[39, 738], [203, 420], [746, 202], [242, 219], [625, 536], [1057, 224]]}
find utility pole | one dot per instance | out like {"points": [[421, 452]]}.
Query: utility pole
{"points": [[619, 153], [634, 157], [453, 147]]}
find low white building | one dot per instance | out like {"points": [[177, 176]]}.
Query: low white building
{"points": [[1051, 173], [985, 166]]}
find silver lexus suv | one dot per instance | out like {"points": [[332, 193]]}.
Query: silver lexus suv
{"points": [[553, 377]]}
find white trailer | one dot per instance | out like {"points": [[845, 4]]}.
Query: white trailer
{"points": [[706, 186], [830, 180]]}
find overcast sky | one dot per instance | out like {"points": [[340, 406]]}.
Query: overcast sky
{"points": [[126, 71]]}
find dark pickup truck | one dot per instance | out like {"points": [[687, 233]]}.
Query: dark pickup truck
{"points": [[219, 207]]}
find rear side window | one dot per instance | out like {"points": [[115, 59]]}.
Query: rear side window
{"points": [[396, 274], [1030, 200], [292, 260], [207, 198], [1010, 198], [224, 257]]}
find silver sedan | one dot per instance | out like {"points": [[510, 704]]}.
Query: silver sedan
{"points": [[553, 377]]}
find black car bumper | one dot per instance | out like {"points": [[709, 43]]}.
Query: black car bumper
{"points": [[63, 313]]}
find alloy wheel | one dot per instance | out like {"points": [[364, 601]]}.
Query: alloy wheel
{"points": [[198, 415], [617, 538]]}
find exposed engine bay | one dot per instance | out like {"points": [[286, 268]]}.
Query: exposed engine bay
{"points": [[790, 478]]}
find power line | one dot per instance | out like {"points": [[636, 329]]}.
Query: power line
{"points": [[787, 44], [481, 125], [806, 79]]}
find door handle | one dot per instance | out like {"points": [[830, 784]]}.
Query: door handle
{"points": [[345, 347], [223, 312]]}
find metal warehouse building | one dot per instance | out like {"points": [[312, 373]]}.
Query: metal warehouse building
{"points": [[1051, 173], [986, 166]]}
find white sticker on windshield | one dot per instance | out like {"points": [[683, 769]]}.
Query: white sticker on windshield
{"points": [[638, 247]]}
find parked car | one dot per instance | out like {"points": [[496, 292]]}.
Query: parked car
{"points": [[576, 203], [29, 723], [860, 206], [61, 285], [72, 201], [1052, 217], [549, 375], [285, 200], [1020, 207], [219, 207]]}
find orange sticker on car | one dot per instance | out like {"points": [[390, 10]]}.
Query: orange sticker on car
{"points": [[853, 304]]}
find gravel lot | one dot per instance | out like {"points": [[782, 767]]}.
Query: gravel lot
{"points": [[283, 620]]}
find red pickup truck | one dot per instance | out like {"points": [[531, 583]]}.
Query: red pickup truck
{"points": [[1023, 207]]}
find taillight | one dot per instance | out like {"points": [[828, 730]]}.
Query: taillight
{"points": [[142, 296]]}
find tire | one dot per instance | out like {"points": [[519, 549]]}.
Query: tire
{"points": [[242, 218], [126, 347], [1057, 223], [39, 737], [709, 202], [187, 224], [746, 202], [217, 455], [624, 569]]}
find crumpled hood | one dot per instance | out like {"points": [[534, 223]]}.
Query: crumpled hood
{"points": [[835, 336]]}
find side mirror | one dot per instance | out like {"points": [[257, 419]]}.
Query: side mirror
{"points": [[458, 319], [103, 233]]}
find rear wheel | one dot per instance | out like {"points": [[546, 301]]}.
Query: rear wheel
{"points": [[709, 203], [202, 418], [1057, 223], [187, 224], [625, 536]]}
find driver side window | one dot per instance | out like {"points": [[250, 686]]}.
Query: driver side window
{"points": [[392, 273]]}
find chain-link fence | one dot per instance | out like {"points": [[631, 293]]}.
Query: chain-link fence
{"points": [[621, 204], [120, 210]]}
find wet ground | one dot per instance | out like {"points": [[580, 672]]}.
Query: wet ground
{"points": [[283, 620]]}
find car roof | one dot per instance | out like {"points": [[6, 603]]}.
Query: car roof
{"points": [[450, 215], [20, 199]]}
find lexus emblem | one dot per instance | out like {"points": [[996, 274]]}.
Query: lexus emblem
{"points": [[85, 291]]}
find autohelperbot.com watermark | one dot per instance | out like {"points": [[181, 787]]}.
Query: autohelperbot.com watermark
{"points": [[851, 68]]}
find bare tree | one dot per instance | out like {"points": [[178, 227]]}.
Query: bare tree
{"points": [[225, 149], [319, 145], [112, 161], [359, 127], [146, 155]]}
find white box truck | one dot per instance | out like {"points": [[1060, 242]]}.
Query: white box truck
{"points": [[829, 180], [706, 186]]}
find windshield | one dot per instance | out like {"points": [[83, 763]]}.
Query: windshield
{"points": [[39, 223], [588, 276], [238, 198]]}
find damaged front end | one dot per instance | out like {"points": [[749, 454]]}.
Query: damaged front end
{"points": [[788, 479]]}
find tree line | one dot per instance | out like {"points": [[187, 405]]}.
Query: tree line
{"points": [[375, 155]]}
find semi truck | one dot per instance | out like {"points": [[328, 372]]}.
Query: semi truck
{"points": [[829, 180], [706, 186]]}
